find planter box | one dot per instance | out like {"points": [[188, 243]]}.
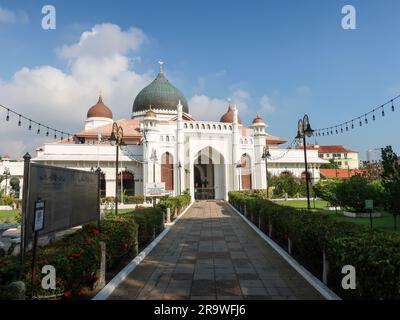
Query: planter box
{"points": [[361, 214]]}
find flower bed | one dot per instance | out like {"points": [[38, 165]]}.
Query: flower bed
{"points": [[374, 254], [76, 257]]}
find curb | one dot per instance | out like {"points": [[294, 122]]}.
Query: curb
{"points": [[104, 293], [308, 276]]}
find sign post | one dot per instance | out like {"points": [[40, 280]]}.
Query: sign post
{"points": [[369, 205], [38, 224]]}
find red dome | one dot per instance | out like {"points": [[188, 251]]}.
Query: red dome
{"points": [[100, 110], [258, 119], [228, 116]]}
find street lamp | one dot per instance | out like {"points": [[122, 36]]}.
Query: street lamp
{"points": [[304, 130], [117, 140], [179, 176], [153, 157], [265, 156], [6, 174]]}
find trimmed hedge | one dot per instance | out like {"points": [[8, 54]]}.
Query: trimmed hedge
{"points": [[76, 257], [375, 254], [176, 204]]}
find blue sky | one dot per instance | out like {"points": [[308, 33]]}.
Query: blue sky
{"points": [[293, 55]]}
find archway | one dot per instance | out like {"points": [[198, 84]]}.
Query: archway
{"points": [[209, 175], [246, 172], [167, 171], [128, 183]]}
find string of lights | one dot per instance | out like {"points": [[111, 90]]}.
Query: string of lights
{"points": [[285, 152], [361, 120], [40, 127]]}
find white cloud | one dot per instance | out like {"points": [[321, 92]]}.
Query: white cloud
{"points": [[104, 40], [8, 16], [99, 61], [205, 108], [266, 105]]}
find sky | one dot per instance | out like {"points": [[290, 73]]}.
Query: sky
{"points": [[278, 58]]}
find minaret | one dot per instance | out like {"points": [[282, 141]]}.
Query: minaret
{"points": [[235, 148], [180, 152], [260, 142], [151, 137]]}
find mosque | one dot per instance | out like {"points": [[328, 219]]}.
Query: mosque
{"points": [[164, 145]]}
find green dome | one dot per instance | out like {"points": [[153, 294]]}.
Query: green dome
{"points": [[160, 94]]}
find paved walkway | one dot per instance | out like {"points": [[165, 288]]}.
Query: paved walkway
{"points": [[211, 253]]}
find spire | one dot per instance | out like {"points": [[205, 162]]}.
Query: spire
{"points": [[161, 63]]}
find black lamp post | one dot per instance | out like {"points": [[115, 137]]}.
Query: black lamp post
{"points": [[179, 176], [265, 156], [6, 174], [304, 130], [117, 140]]}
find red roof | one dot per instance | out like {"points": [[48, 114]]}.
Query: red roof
{"points": [[331, 149], [340, 173]]}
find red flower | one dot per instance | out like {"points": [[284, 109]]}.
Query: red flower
{"points": [[68, 293], [95, 232], [125, 245], [76, 255], [58, 279]]}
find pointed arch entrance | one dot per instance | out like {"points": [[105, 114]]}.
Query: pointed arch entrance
{"points": [[245, 169], [209, 175], [167, 171]]}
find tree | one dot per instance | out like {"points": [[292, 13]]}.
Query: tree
{"points": [[331, 165], [351, 193], [391, 182], [327, 190]]}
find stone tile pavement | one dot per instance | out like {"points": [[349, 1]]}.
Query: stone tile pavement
{"points": [[211, 253]]}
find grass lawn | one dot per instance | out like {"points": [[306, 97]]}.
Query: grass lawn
{"points": [[385, 222], [8, 216]]}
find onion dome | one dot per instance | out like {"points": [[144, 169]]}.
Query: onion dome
{"points": [[161, 94], [99, 110], [228, 116], [258, 119]]}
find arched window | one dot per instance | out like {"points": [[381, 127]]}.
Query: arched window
{"points": [[167, 171], [203, 126], [245, 171], [167, 138], [128, 183], [185, 125], [197, 126]]}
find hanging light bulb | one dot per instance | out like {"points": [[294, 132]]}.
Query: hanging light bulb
{"points": [[47, 133], [373, 117], [347, 127], [383, 112], [392, 106], [352, 125], [38, 130], [366, 120], [337, 131], [55, 134], [30, 125], [19, 121], [8, 115], [341, 129]]}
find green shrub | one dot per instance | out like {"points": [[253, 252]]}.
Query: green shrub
{"points": [[351, 193], [133, 199], [176, 204], [375, 254], [150, 223]]}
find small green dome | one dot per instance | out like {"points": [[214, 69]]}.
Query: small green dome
{"points": [[160, 94]]}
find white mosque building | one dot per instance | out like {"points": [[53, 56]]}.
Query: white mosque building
{"points": [[165, 144]]}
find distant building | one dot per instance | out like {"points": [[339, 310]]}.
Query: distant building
{"points": [[344, 157]]}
